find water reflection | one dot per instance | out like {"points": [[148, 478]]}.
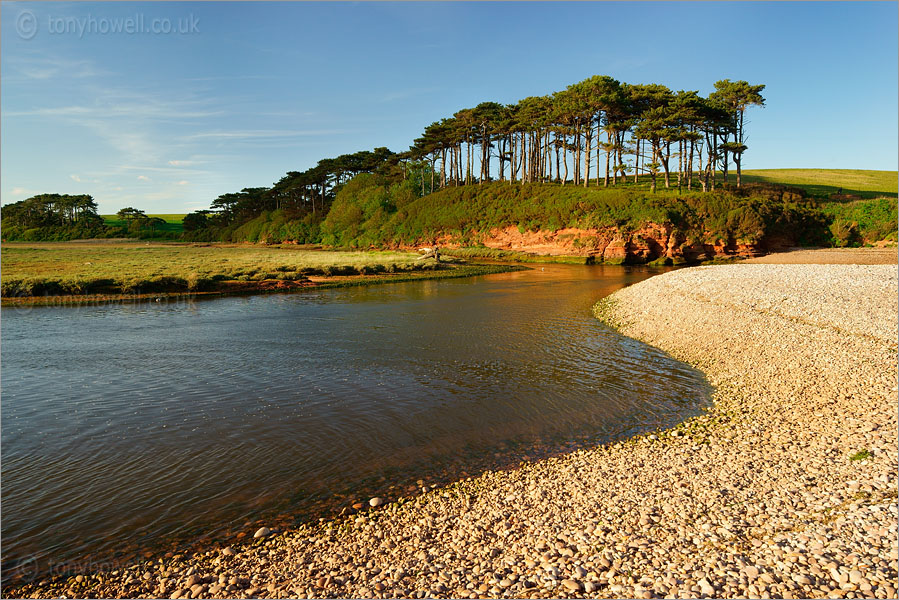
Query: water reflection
{"points": [[136, 423]]}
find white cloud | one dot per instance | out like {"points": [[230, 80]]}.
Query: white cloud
{"points": [[75, 178], [174, 171], [264, 133], [147, 108], [47, 67], [143, 178]]}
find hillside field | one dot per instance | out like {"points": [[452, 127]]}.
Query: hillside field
{"points": [[828, 182], [172, 222]]}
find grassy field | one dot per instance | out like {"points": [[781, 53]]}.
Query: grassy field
{"points": [[60, 268], [828, 182], [172, 222]]}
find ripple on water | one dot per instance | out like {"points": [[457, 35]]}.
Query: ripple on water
{"points": [[137, 423]]}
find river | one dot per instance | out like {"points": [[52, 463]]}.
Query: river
{"points": [[138, 426]]}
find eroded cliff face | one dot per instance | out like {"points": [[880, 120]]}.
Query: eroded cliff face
{"points": [[610, 245]]}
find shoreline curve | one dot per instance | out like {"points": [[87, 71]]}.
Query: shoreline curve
{"points": [[786, 487]]}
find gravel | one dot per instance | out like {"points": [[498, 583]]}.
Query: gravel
{"points": [[762, 496]]}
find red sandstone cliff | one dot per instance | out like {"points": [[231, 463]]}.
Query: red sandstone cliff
{"points": [[610, 245]]}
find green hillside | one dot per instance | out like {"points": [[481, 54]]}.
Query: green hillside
{"points": [[828, 182], [368, 212], [172, 222]]}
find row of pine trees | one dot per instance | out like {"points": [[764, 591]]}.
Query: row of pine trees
{"points": [[598, 128]]}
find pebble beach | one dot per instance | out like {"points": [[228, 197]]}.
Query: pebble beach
{"points": [[785, 487]]}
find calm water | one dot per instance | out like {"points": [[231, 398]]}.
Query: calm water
{"points": [[135, 425]]}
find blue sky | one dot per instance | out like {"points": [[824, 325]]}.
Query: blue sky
{"points": [[241, 93]]}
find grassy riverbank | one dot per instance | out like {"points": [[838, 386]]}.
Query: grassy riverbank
{"points": [[785, 488], [76, 272]]}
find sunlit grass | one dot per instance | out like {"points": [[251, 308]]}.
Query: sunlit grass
{"points": [[72, 267], [827, 182], [172, 222]]}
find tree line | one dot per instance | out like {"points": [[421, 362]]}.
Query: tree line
{"points": [[298, 192], [52, 210], [598, 126], [598, 130], [64, 216]]}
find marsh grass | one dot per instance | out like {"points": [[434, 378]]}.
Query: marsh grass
{"points": [[33, 269]]}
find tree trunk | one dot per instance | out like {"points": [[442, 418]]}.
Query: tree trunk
{"points": [[598, 146], [587, 151], [725, 163], [468, 159], [502, 154], [637, 162], [621, 155], [680, 162], [558, 172], [690, 166], [665, 164], [608, 150], [738, 156], [486, 155], [547, 155]]}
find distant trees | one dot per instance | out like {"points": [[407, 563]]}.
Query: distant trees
{"points": [[196, 220], [52, 216], [298, 193], [137, 221], [47, 210]]}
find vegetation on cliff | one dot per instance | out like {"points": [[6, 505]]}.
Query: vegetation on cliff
{"points": [[370, 212]]}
